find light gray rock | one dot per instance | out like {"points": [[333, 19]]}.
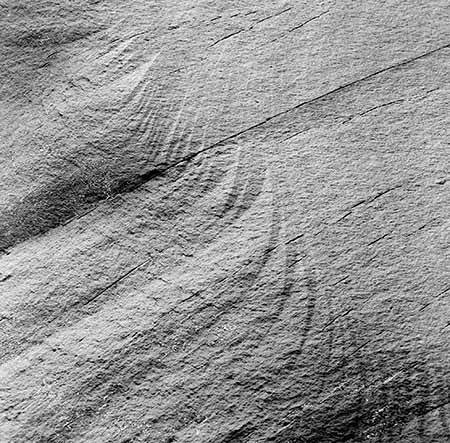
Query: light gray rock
{"points": [[224, 221]]}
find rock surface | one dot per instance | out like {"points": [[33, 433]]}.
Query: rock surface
{"points": [[224, 221]]}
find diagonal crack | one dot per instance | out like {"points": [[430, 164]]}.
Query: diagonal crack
{"points": [[334, 319], [252, 26], [374, 197], [105, 289], [160, 171], [378, 239], [309, 102], [308, 21], [366, 201], [436, 297], [227, 37], [300, 26], [373, 109], [273, 15], [4, 278]]}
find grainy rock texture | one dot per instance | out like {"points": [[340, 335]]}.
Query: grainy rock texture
{"points": [[224, 221]]}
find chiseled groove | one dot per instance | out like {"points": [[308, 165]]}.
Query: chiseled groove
{"points": [[236, 187], [144, 123], [185, 147], [142, 84], [115, 54], [261, 263], [160, 137], [246, 187], [207, 169], [174, 146], [273, 245], [108, 376], [282, 296], [273, 241], [202, 176]]}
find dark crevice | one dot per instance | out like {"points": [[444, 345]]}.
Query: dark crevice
{"points": [[372, 109], [273, 15], [295, 28], [4, 278], [226, 37]]}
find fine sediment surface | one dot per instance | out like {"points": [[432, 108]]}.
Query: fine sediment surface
{"points": [[224, 221]]}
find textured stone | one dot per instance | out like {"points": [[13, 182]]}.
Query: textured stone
{"points": [[224, 221]]}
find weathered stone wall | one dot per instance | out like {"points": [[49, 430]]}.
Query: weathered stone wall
{"points": [[224, 221]]}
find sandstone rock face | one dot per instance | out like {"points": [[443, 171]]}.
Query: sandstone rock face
{"points": [[224, 222]]}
